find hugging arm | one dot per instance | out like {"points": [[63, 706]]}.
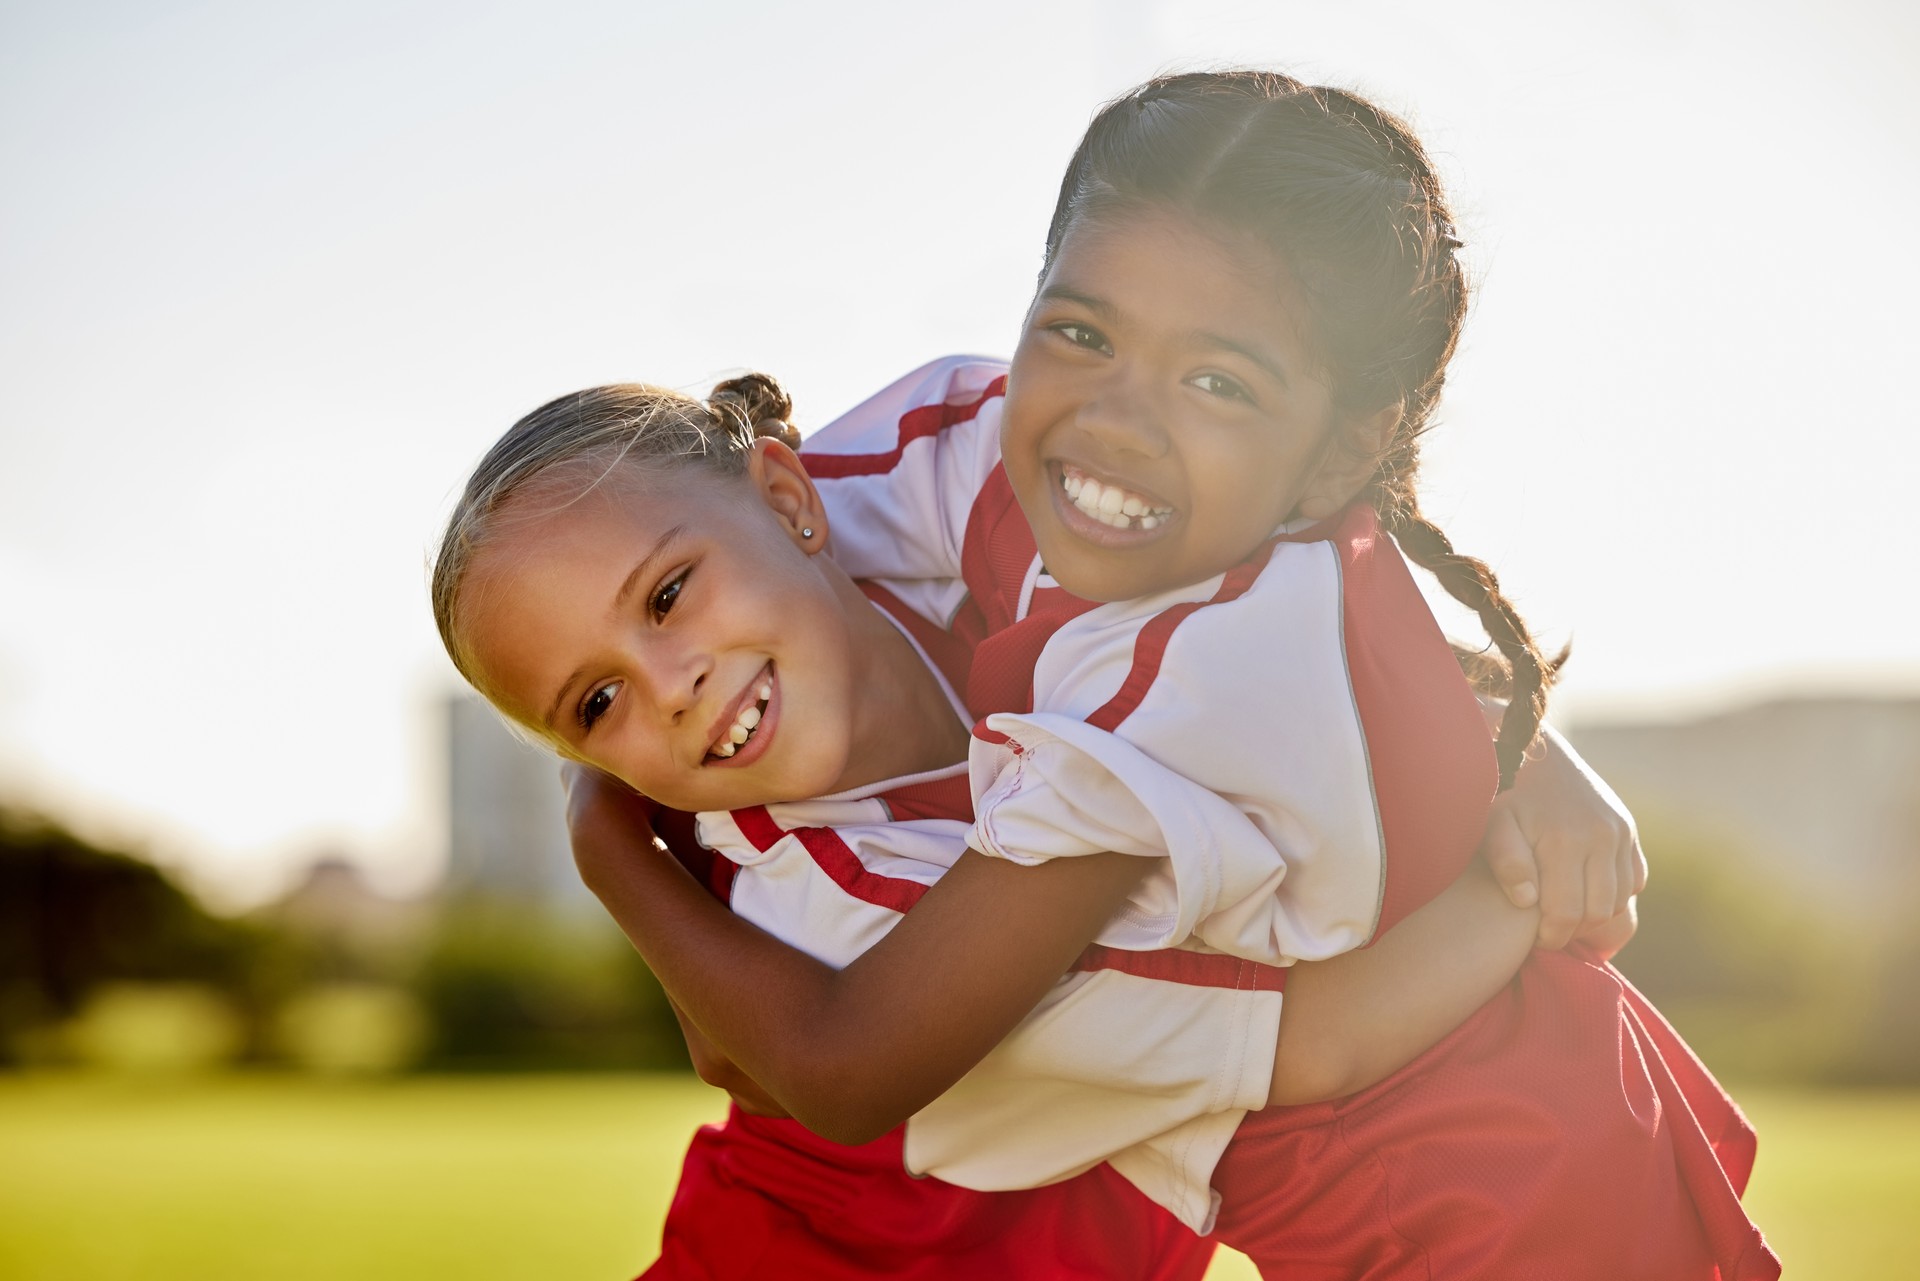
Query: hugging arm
{"points": [[853, 1052], [717, 1070], [1357, 1018]]}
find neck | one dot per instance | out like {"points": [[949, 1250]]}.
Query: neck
{"points": [[902, 721]]}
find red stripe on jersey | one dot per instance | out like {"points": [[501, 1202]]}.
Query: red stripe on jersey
{"points": [[1195, 969], [1151, 646], [1428, 748], [994, 736], [937, 798], [927, 420], [995, 557], [834, 857], [837, 859], [996, 551]]}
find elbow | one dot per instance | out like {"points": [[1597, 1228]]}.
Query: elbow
{"points": [[850, 1129], [844, 1101], [1314, 1078]]}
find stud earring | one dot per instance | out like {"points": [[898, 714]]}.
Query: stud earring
{"points": [[806, 533]]}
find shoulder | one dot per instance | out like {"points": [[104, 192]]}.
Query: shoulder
{"points": [[933, 399]]}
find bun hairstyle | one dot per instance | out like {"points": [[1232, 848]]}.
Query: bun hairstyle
{"points": [[758, 401], [563, 450], [1344, 195]]}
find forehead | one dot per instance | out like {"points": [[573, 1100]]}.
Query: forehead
{"points": [[545, 578], [1166, 265], [594, 516]]}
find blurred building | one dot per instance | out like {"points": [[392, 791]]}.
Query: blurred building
{"points": [[506, 825], [335, 902], [1822, 794]]}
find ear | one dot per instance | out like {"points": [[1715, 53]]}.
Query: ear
{"points": [[1352, 451], [781, 480]]}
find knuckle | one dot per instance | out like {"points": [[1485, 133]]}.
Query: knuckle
{"points": [[1506, 862]]}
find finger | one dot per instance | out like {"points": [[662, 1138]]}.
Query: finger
{"points": [[1563, 894], [1601, 880], [1623, 875], [1510, 858]]}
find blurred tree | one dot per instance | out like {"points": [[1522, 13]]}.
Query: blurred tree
{"points": [[511, 987], [74, 917], [1763, 986]]}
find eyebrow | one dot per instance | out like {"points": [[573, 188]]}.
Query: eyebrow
{"points": [[1060, 293], [635, 576], [1220, 342], [1202, 337]]}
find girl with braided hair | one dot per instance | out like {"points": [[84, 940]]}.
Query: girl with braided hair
{"points": [[1248, 303]]}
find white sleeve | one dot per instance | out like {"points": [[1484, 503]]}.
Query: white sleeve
{"points": [[1152, 1076], [1237, 754], [899, 473]]}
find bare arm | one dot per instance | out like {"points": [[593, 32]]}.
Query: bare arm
{"points": [[716, 1069], [1357, 1018], [850, 1053], [854, 1052]]}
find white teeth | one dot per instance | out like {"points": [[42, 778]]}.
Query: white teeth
{"points": [[745, 723], [1110, 504]]}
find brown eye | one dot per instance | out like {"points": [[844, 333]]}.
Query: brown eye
{"points": [[596, 704], [1081, 335], [663, 600], [1219, 385]]}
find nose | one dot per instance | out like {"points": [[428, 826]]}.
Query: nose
{"points": [[1120, 413], [672, 676]]}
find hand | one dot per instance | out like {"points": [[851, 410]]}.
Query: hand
{"points": [[606, 819], [1561, 838], [585, 788], [1609, 937]]}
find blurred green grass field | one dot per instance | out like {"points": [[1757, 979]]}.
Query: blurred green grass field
{"points": [[507, 1178]]}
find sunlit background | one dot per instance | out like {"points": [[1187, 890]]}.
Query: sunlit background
{"points": [[272, 276]]}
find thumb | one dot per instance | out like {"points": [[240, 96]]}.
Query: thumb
{"points": [[1509, 855]]}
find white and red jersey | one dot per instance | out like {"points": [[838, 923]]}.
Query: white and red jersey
{"points": [[1268, 733], [1295, 738], [1146, 1062], [1272, 731]]}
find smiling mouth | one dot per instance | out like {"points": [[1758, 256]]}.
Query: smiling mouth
{"points": [[746, 721], [1110, 504]]}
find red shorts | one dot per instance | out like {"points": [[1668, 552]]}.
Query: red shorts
{"points": [[1565, 1131], [768, 1198]]}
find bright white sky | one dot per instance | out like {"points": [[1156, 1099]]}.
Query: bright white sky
{"points": [[272, 276]]}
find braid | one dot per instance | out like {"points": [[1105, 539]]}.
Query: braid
{"points": [[1349, 201], [1528, 673], [755, 405]]}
